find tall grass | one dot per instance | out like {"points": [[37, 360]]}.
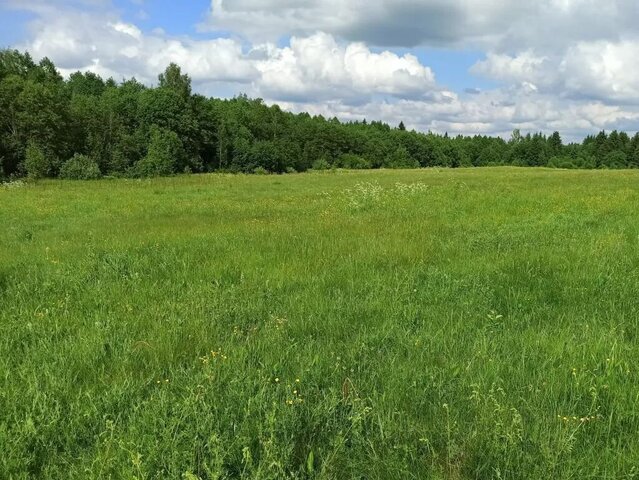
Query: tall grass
{"points": [[391, 324]]}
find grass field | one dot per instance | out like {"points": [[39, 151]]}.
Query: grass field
{"points": [[423, 324]]}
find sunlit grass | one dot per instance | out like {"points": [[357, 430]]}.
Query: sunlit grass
{"points": [[384, 324]]}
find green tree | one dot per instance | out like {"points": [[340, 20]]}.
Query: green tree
{"points": [[615, 159], [515, 137], [12, 135], [174, 80], [47, 72], [124, 128], [13, 62], [267, 155], [162, 107], [400, 158], [351, 161], [555, 145], [36, 164], [164, 154], [601, 147], [87, 83]]}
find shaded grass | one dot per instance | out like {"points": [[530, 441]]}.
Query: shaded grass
{"points": [[442, 324]]}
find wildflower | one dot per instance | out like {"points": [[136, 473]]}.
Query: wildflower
{"points": [[297, 380], [289, 402], [277, 380]]}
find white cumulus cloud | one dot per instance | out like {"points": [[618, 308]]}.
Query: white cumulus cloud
{"points": [[567, 65], [320, 68]]}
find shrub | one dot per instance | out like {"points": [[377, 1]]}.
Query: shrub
{"points": [[587, 161], [165, 152], [355, 162], [463, 159], [321, 164], [80, 167], [615, 159], [561, 162], [270, 156], [400, 158], [118, 163], [260, 171], [36, 164]]}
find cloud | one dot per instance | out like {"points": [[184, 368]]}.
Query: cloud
{"points": [[563, 65], [577, 49], [499, 25], [523, 67], [111, 47], [602, 70], [494, 112], [385, 22], [314, 67], [318, 67]]}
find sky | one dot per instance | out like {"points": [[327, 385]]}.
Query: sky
{"points": [[457, 66]]}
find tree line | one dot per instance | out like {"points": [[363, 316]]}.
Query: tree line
{"points": [[86, 127]]}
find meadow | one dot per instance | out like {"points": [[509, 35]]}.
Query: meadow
{"points": [[405, 324]]}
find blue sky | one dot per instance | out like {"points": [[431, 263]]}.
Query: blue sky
{"points": [[452, 67], [13, 26], [441, 65], [180, 20]]}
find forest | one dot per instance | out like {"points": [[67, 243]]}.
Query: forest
{"points": [[85, 127]]}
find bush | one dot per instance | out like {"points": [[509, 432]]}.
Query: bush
{"points": [[118, 163], [572, 162], [586, 161], [354, 162], [271, 156], [260, 171], [616, 159], [400, 158], [561, 162], [80, 167], [165, 152], [36, 164], [321, 164]]}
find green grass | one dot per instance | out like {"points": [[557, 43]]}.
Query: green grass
{"points": [[442, 324]]}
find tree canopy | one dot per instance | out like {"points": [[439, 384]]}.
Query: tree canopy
{"points": [[127, 129]]}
